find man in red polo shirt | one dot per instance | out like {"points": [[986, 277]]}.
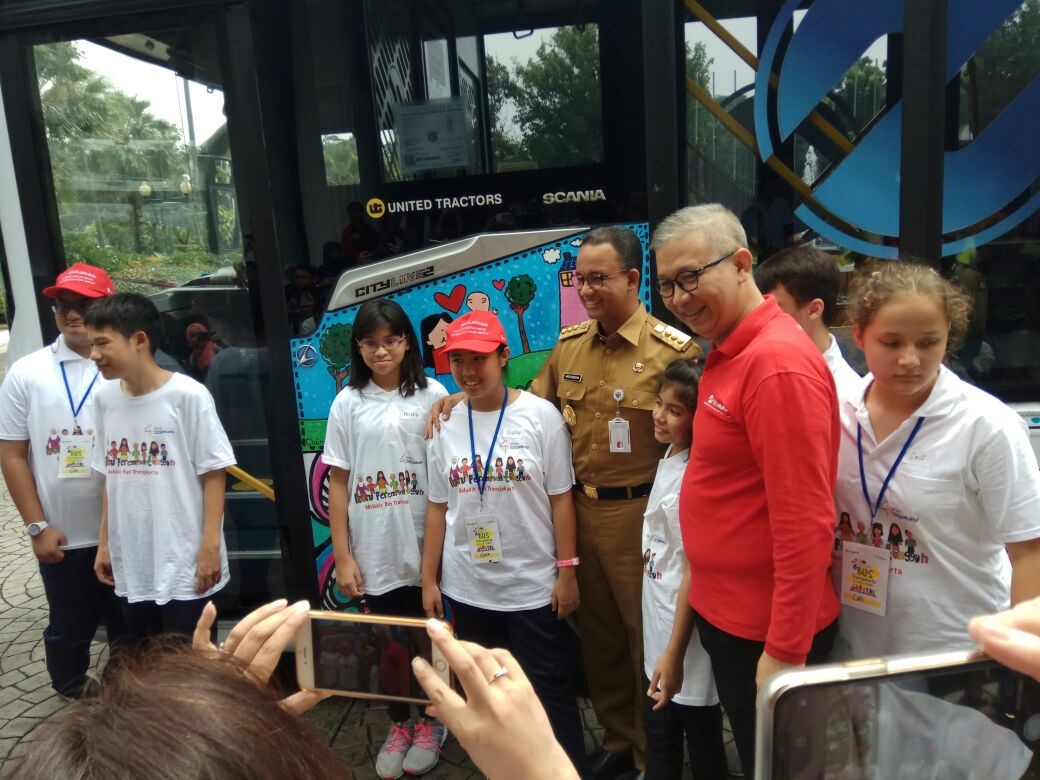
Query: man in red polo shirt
{"points": [[756, 505]]}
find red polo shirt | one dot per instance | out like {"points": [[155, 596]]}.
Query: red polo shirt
{"points": [[757, 500]]}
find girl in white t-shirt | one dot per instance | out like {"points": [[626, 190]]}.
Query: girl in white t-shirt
{"points": [[502, 547], [681, 700], [944, 470], [375, 428]]}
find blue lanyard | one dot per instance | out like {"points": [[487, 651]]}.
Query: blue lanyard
{"points": [[68, 391], [874, 508], [473, 447]]}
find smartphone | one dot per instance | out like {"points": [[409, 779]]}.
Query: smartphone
{"points": [[944, 715], [365, 656]]}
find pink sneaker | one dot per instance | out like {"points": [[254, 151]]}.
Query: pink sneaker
{"points": [[425, 751], [390, 761]]}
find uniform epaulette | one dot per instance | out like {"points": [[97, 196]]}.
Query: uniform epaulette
{"points": [[673, 337], [575, 330]]}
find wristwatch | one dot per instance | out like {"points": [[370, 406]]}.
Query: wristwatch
{"points": [[35, 529]]}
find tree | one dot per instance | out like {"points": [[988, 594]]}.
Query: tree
{"points": [[520, 292], [341, 159], [335, 351], [556, 96]]}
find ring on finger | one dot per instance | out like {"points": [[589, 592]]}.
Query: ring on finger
{"points": [[499, 672]]}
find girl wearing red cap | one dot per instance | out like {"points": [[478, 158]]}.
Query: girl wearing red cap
{"points": [[503, 552]]}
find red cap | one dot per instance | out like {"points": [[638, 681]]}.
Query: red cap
{"points": [[477, 331], [81, 279]]}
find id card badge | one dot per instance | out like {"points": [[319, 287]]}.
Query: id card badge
{"points": [[74, 457], [864, 577], [620, 438], [485, 544]]}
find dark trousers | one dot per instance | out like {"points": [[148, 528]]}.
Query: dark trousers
{"points": [[666, 729], [78, 603], [145, 619], [399, 602], [734, 661], [539, 642]]}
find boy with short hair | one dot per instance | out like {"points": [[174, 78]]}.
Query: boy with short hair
{"points": [[161, 542], [804, 281]]}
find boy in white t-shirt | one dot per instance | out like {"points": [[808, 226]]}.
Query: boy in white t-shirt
{"points": [[161, 542]]}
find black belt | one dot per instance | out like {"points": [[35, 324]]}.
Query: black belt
{"points": [[613, 493]]}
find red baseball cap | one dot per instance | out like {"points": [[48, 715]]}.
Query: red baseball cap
{"points": [[81, 279], [477, 331]]}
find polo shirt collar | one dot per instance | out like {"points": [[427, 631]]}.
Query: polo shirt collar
{"points": [[942, 400], [62, 352], [632, 328], [748, 328]]}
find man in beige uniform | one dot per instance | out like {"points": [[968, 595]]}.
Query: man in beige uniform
{"points": [[618, 354]]}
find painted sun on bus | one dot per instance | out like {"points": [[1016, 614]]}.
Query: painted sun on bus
{"points": [[531, 289]]}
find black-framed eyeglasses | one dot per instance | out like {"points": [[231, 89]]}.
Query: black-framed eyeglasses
{"points": [[688, 280], [594, 281], [80, 305]]}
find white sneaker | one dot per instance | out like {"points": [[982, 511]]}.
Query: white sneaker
{"points": [[427, 739], [390, 761]]}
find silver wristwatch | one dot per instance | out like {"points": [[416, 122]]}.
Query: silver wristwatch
{"points": [[35, 529]]}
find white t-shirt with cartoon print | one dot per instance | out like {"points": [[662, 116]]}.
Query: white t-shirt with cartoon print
{"points": [[377, 435], [967, 486], [530, 462], [662, 574], [152, 450], [34, 406]]}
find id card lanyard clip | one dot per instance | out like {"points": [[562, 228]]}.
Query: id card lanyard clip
{"points": [[481, 479], [620, 436]]}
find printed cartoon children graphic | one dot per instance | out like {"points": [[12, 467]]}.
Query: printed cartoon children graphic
{"points": [[53, 443], [459, 472], [903, 543], [386, 484], [135, 453], [650, 557]]}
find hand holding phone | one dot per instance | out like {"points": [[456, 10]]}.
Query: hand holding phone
{"points": [[501, 723]]}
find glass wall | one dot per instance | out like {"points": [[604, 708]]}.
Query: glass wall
{"points": [[143, 185]]}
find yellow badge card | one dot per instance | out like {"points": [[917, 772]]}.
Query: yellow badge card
{"points": [[864, 577], [74, 457], [485, 544]]}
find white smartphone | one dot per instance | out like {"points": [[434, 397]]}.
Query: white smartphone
{"points": [[365, 656], [945, 715]]}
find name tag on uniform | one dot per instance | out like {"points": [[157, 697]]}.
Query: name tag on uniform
{"points": [[75, 456], [620, 438], [864, 577], [485, 544]]}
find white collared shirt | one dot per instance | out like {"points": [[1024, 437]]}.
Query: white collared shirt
{"points": [[967, 486], [846, 380], [34, 406]]}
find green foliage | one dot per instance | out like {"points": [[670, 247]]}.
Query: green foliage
{"points": [[136, 271], [557, 100], [335, 347], [520, 291], [341, 160]]}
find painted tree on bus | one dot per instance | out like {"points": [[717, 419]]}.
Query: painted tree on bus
{"points": [[520, 292], [335, 351]]}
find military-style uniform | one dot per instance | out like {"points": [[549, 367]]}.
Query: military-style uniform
{"points": [[581, 376]]}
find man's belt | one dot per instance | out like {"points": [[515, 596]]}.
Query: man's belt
{"points": [[613, 493]]}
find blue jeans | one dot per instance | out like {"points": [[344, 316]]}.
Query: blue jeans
{"points": [[78, 603]]}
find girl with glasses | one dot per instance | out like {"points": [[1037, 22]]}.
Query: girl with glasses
{"points": [[375, 426]]}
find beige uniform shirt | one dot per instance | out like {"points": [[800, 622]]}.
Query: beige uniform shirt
{"points": [[581, 375]]}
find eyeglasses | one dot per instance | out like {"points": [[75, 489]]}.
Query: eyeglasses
{"points": [[594, 281], [369, 346], [687, 281], [80, 306]]}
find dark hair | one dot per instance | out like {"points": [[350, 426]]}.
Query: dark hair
{"points": [[684, 374], [383, 313], [806, 273], [174, 713], [427, 324], [126, 314], [624, 242]]}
